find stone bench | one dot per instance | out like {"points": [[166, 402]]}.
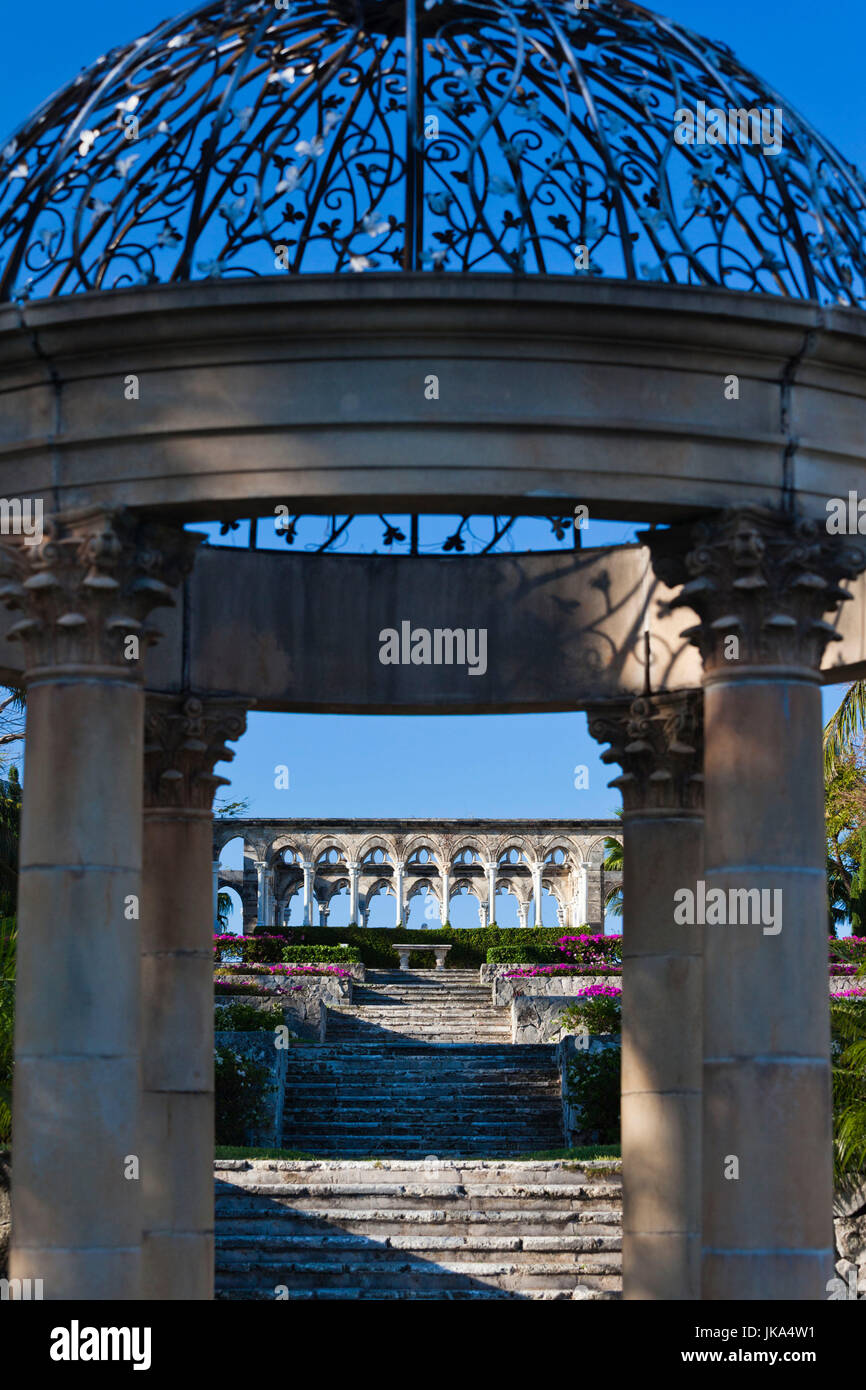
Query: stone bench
{"points": [[404, 953]]}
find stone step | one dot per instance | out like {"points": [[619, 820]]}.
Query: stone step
{"points": [[564, 1250], [254, 1215], [552, 1196], [468, 1174], [443, 1293], [413, 1274], [322, 1137]]}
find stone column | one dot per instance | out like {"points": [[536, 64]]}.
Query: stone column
{"points": [[446, 896], [215, 864], [536, 894], [85, 593], [324, 913], [354, 869], [761, 583], [261, 893], [269, 897], [580, 910], [523, 915], [490, 870], [399, 869], [657, 740], [307, 867], [184, 739]]}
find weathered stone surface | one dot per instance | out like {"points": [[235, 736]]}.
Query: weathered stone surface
{"points": [[504, 991]]}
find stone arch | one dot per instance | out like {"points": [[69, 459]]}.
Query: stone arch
{"points": [[415, 844], [467, 842], [381, 887], [424, 888], [374, 842], [323, 845]]}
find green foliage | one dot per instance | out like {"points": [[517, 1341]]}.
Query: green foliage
{"points": [[597, 1013], [593, 1083], [8, 942], [10, 827], [247, 1018], [848, 1022], [612, 863], [469, 945], [845, 730], [320, 955], [242, 1088], [845, 809]]}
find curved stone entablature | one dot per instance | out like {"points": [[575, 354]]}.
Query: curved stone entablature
{"points": [[314, 393], [317, 859]]}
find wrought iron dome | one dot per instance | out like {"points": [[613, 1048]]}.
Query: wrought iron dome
{"points": [[257, 137]]}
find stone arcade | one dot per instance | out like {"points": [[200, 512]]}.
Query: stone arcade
{"points": [[314, 860], [306, 387]]}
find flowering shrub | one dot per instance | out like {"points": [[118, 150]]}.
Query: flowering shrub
{"points": [[858, 992], [847, 948], [223, 987], [226, 971], [529, 971], [242, 1089], [591, 950], [599, 1011], [246, 1018]]}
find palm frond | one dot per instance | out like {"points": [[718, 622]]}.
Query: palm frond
{"points": [[845, 727]]}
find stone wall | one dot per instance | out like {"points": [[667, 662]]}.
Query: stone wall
{"points": [[544, 986], [850, 1227], [304, 1009], [536, 1018]]}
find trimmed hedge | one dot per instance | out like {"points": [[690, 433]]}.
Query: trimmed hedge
{"points": [[320, 955], [274, 949], [469, 945]]}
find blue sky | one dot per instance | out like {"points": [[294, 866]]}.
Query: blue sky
{"points": [[520, 766]]}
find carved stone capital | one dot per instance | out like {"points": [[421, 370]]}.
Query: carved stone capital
{"points": [[658, 741], [89, 586], [760, 577], [184, 738]]}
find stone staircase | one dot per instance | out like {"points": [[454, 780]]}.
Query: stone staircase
{"points": [[438, 1006], [457, 1230], [418, 1113], [413, 1100]]}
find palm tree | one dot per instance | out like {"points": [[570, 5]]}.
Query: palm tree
{"points": [[848, 1018], [612, 863], [846, 726]]}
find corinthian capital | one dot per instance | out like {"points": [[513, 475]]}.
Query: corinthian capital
{"points": [[658, 742], [184, 738], [761, 578], [88, 586]]}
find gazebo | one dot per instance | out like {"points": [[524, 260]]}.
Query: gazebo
{"points": [[354, 258]]}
